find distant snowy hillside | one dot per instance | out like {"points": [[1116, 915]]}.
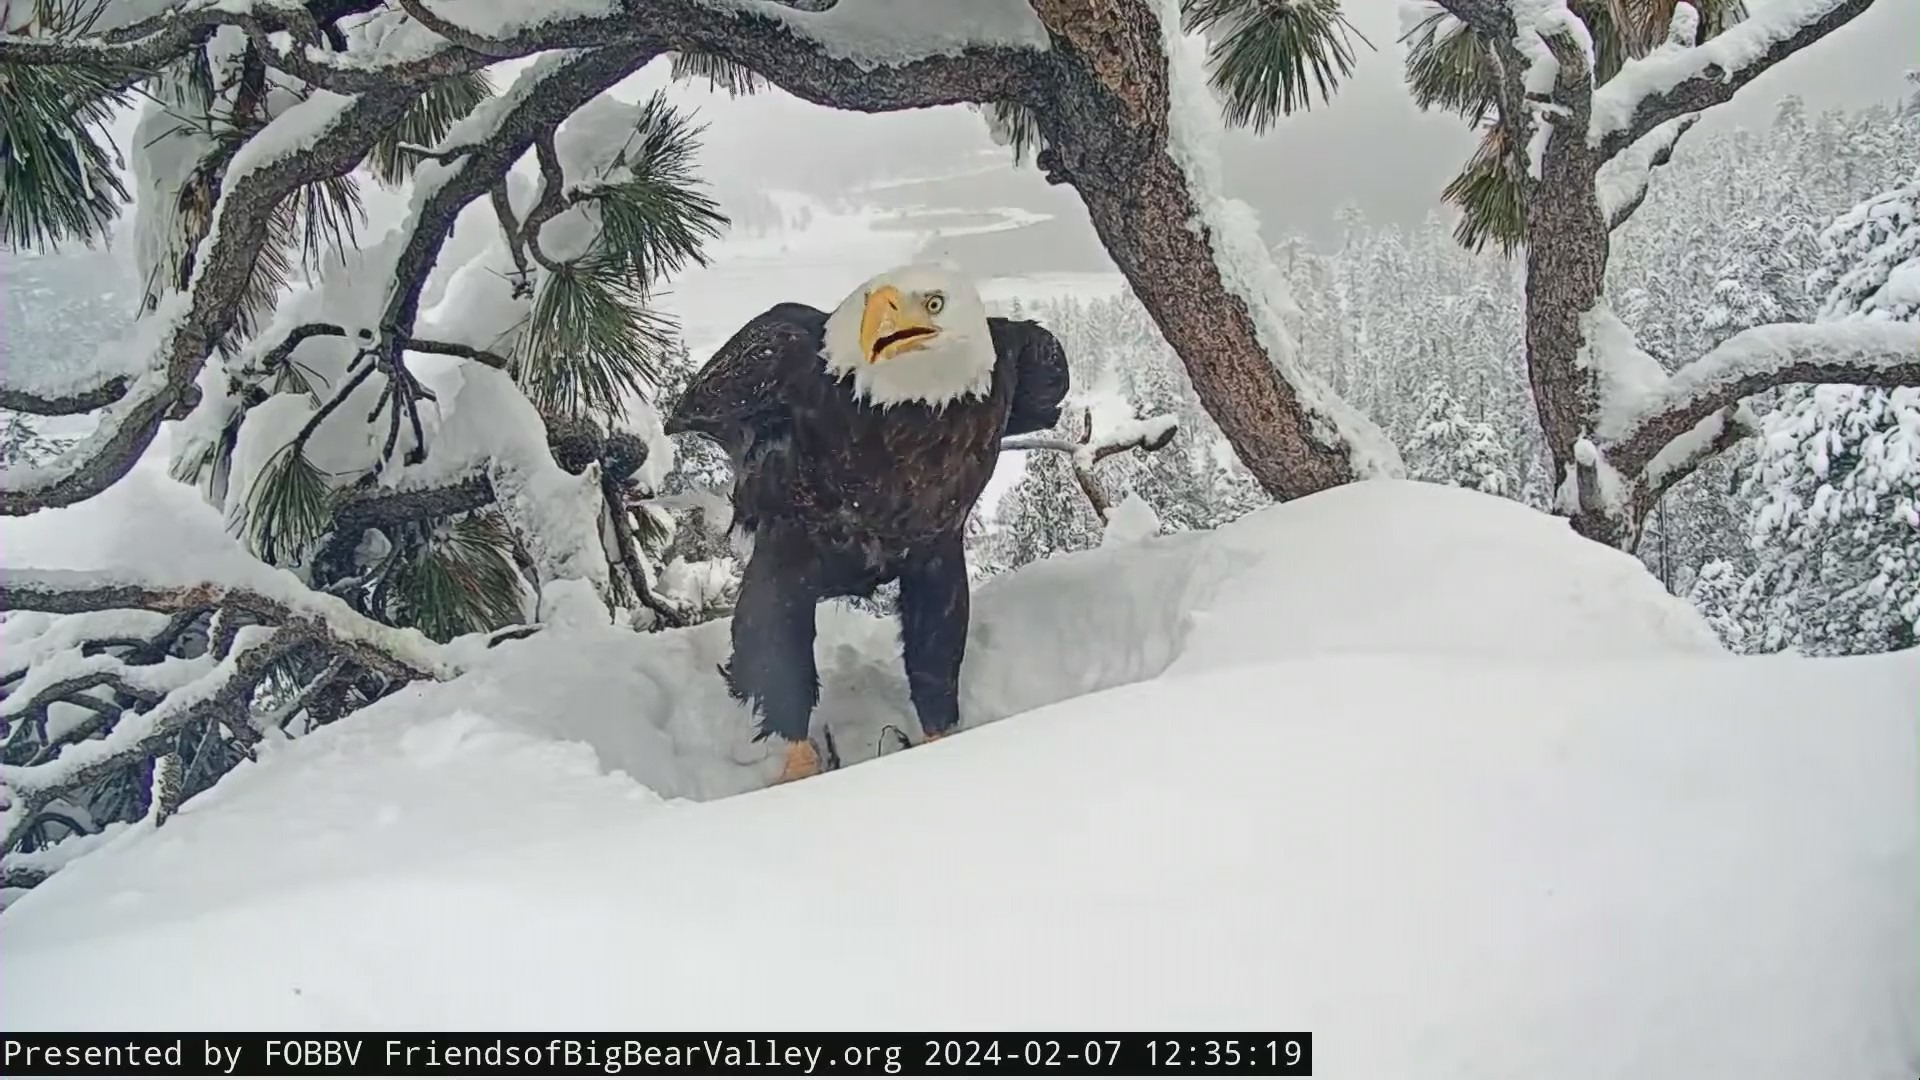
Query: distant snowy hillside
{"points": [[1411, 767]]}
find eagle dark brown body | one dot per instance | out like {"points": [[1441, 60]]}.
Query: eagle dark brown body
{"points": [[841, 496]]}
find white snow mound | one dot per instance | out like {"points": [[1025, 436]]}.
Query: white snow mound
{"points": [[1410, 767]]}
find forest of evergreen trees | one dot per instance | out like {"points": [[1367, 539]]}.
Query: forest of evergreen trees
{"points": [[1425, 337]]}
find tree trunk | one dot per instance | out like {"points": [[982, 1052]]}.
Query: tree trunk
{"points": [[1106, 128]]}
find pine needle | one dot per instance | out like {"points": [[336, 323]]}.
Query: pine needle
{"points": [[1264, 53], [460, 580], [719, 72], [657, 218], [288, 507], [425, 123], [59, 170], [1488, 194], [1448, 67], [1015, 125], [591, 342]]}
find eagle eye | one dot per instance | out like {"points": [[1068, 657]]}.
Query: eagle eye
{"points": [[935, 302]]}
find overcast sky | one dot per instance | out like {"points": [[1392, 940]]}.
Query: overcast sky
{"points": [[1370, 145]]}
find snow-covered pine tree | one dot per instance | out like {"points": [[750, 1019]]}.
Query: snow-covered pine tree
{"points": [[1755, 199], [21, 442], [1620, 435], [1447, 447], [1836, 489]]}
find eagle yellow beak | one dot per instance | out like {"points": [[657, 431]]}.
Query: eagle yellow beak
{"points": [[886, 330]]}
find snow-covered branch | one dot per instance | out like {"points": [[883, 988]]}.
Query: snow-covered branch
{"points": [[222, 690], [1867, 352], [482, 148], [1146, 435], [272, 597], [322, 137], [1623, 182], [1678, 459], [1671, 82], [159, 39]]}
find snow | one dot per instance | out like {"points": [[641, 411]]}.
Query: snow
{"points": [[1534, 21], [131, 356], [1130, 522], [877, 33], [294, 130], [1903, 285], [1232, 232], [22, 782], [1725, 56], [47, 860], [170, 674], [151, 530], [1871, 263], [1687, 448], [1132, 433], [491, 427], [1514, 769], [642, 420], [1628, 376], [1624, 178], [141, 394], [505, 18]]}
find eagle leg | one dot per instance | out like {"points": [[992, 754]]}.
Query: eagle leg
{"points": [[772, 668], [934, 608]]}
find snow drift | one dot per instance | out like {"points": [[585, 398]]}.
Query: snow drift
{"points": [[1410, 767]]}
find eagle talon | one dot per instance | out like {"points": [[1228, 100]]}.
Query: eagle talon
{"points": [[802, 762]]}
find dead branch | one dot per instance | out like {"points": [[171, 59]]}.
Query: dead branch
{"points": [[29, 788], [1086, 453]]}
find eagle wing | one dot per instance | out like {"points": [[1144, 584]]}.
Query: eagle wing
{"points": [[740, 396], [1038, 365]]}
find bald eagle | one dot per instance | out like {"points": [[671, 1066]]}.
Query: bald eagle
{"points": [[860, 441]]}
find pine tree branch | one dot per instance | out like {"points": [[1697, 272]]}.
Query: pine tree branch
{"points": [[1856, 351], [419, 12], [468, 352], [227, 685], [616, 509], [98, 396], [1489, 19], [552, 201], [380, 508], [1683, 456], [254, 187], [277, 357], [1624, 195], [309, 616], [290, 708], [539, 102], [1670, 83], [145, 45], [137, 682], [1087, 452]]}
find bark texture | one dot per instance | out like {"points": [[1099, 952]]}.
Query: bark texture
{"points": [[1105, 121]]}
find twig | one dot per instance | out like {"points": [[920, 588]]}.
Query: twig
{"points": [[453, 348], [630, 556]]}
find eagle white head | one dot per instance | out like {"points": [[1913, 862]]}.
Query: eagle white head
{"points": [[913, 333]]}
